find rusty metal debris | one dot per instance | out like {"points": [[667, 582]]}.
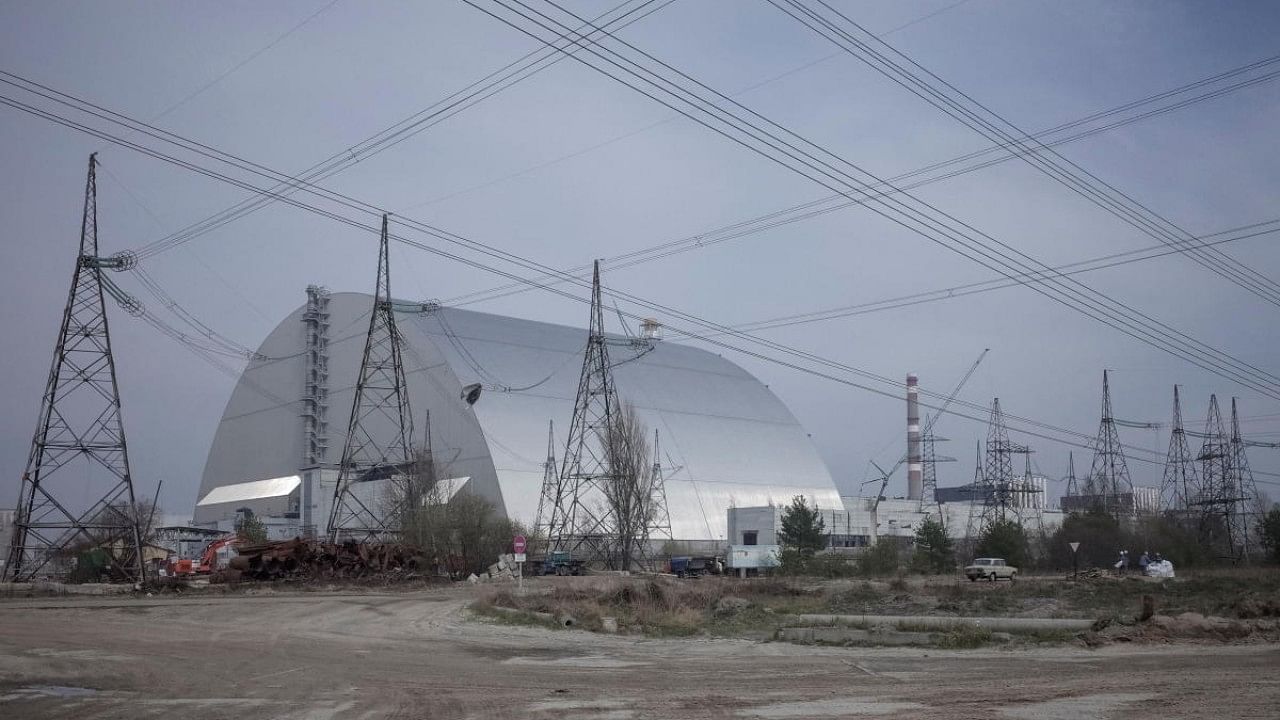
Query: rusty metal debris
{"points": [[300, 559]]}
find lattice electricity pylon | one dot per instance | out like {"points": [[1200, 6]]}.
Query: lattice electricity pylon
{"points": [[1245, 512], [80, 435], [1215, 497], [1179, 483], [549, 497], [929, 475], [583, 517], [976, 490], [581, 522], [1072, 487], [379, 443], [1108, 485], [658, 525], [999, 489]]}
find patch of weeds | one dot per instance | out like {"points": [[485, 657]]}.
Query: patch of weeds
{"points": [[1048, 637], [996, 603], [963, 637], [521, 618], [863, 597], [681, 622]]}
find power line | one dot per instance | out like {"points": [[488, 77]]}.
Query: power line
{"points": [[982, 159], [848, 35], [477, 92], [700, 103], [982, 286], [616, 138], [492, 252]]}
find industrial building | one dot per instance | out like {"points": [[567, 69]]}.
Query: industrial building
{"points": [[491, 385]]}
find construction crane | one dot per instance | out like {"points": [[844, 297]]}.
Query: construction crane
{"points": [[946, 403]]}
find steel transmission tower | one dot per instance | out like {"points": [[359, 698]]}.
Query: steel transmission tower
{"points": [[79, 441], [1216, 496], [1108, 484], [581, 506], [998, 489], [929, 475], [379, 443], [1179, 484], [659, 518], [548, 499], [1246, 509], [1072, 487]]}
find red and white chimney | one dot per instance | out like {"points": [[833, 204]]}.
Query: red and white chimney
{"points": [[915, 464]]}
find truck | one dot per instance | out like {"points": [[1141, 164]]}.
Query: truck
{"points": [[687, 567], [561, 562]]}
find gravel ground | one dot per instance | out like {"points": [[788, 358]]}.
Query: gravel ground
{"points": [[418, 655]]}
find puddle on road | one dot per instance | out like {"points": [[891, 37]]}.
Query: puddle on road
{"points": [[36, 692], [833, 707]]}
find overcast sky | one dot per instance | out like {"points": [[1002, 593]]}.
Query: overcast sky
{"points": [[569, 165]]}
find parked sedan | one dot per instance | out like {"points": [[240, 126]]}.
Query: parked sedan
{"points": [[990, 568]]}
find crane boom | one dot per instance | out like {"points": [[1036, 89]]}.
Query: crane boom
{"points": [[946, 403]]}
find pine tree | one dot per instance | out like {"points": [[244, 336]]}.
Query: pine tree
{"points": [[935, 553], [802, 527]]}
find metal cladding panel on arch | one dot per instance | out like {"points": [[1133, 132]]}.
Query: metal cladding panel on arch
{"points": [[726, 439]]}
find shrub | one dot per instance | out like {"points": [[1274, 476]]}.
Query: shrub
{"points": [[882, 559], [1004, 539], [935, 553]]}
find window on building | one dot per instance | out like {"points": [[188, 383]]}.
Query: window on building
{"points": [[749, 537]]}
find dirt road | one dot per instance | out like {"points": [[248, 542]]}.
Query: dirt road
{"points": [[416, 655]]}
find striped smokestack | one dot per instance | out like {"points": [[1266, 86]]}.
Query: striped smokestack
{"points": [[915, 468]]}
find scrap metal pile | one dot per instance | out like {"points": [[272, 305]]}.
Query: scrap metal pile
{"points": [[300, 559]]}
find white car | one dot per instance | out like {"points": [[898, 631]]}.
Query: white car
{"points": [[990, 568]]}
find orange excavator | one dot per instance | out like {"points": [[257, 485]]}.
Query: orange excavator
{"points": [[214, 557]]}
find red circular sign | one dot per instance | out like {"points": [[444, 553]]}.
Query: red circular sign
{"points": [[518, 544]]}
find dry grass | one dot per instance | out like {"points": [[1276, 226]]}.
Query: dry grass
{"points": [[665, 606], [756, 608]]}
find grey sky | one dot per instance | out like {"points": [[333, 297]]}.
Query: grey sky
{"points": [[357, 67]]}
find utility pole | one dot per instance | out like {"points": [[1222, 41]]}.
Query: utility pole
{"points": [[79, 440], [379, 443]]}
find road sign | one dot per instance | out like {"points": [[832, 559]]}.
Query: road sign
{"points": [[518, 545], [521, 557], [1074, 546]]}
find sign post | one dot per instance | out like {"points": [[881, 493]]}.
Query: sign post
{"points": [[519, 545], [1075, 564]]}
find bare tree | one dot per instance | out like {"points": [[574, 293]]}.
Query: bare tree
{"points": [[629, 488], [454, 528]]}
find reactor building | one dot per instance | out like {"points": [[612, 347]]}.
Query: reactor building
{"points": [[490, 386]]}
